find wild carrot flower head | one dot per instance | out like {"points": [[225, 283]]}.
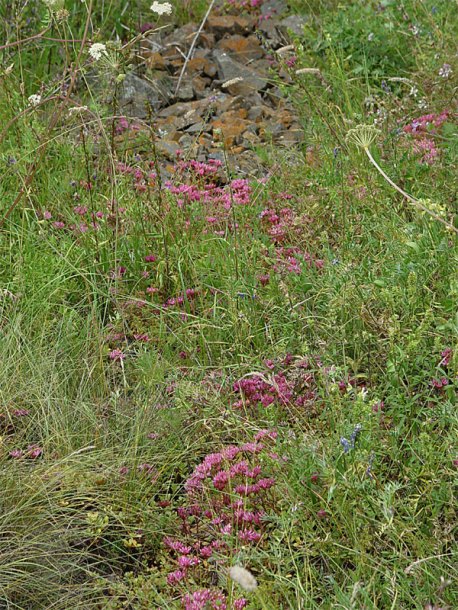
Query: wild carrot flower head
{"points": [[161, 8], [97, 50], [34, 99]]}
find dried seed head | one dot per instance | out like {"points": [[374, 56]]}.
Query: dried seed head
{"points": [[233, 81], [362, 135], [243, 577]]}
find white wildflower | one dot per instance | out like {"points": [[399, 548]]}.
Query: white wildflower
{"points": [[363, 393], [96, 50], [232, 81], [243, 577], [422, 104], [371, 37], [445, 71], [77, 110], [413, 91], [161, 8], [34, 99]]}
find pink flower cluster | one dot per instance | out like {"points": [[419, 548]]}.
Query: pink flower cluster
{"points": [[422, 130], [141, 179], [216, 199], [227, 497], [438, 384], [427, 151], [291, 260], [210, 598], [426, 123], [215, 461], [123, 125], [282, 224], [446, 356], [189, 295], [293, 385], [32, 452]]}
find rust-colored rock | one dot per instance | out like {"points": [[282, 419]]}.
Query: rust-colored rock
{"points": [[230, 24], [246, 48], [227, 91], [230, 128], [200, 86], [201, 65]]}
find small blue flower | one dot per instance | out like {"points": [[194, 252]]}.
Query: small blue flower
{"points": [[350, 444], [355, 434], [345, 444]]}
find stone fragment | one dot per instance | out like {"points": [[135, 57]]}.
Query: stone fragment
{"points": [[152, 43], [185, 91], [230, 24], [273, 8], [229, 69], [250, 139], [167, 148], [180, 109], [242, 48], [200, 86], [181, 37], [291, 137], [229, 128], [197, 127], [154, 61], [258, 113], [137, 95], [293, 24], [273, 39], [201, 65]]}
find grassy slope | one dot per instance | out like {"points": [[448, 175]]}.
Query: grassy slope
{"points": [[75, 533]]}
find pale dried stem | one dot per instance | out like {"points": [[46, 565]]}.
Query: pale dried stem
{"points": [[193, 44], [406, 195]]}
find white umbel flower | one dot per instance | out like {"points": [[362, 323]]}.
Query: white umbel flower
{"points": [[161, 8], [34, 99], [96, 50], [243, 577]]}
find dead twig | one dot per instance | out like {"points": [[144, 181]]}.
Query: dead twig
{"points": [[193, 44]]}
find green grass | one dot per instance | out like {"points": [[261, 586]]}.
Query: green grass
{"points": [[82, 525]]}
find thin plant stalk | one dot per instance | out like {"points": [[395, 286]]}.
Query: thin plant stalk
{"points": [[406, 195]]}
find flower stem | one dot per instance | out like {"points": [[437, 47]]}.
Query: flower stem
{"points": [[406, 195]]}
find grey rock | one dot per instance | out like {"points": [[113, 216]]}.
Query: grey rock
{"points": [[269, 30], [274, 7], [153, 42], [229, 69], [181, 109], [197, 127], [293, 24], [167, 149], [186, 91], [136, 95]]}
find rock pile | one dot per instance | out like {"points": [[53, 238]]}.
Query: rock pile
{"points": [[216, 86]]}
